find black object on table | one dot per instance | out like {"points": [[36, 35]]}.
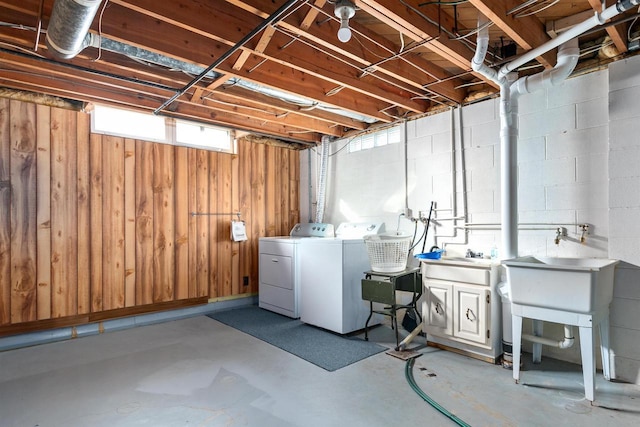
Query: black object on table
{"points": [[382, 287]]}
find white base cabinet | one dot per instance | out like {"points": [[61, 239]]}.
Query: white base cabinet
{"points": [[462, 310]]}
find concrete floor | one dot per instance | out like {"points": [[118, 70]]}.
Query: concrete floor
{"points": [[199, 372]]}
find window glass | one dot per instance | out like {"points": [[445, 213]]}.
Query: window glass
{"points": [[394, 135], [355, 145], [133, 124], [202, 136], [368, 141], [115, 121], [377, 139]]}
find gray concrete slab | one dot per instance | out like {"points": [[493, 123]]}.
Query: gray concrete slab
{"points": [[199, 372]]}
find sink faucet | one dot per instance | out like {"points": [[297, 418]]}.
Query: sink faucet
{"points": [[559, 234], [585, 231], [471, 254]]}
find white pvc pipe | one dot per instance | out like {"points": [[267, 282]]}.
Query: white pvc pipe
{"points": [[509, 94], [568, 55], [573, 32], [508, 171], [508, 143], [322, 183], [567, 342]]}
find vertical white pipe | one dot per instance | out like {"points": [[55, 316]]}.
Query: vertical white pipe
{"points": [[310, 186], [322, 183], [508, 172], [406, 166]]}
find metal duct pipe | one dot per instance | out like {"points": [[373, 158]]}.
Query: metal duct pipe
{"points": [[137, 53], [68, 26]]}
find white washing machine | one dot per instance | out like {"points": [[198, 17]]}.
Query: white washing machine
{"points": [[279, 268], [331, 271]]}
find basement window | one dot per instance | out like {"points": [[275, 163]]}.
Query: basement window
{"points": [[377, 139], [203, 136], [128, 124], [148, 127]]}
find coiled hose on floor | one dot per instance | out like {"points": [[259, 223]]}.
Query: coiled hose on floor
{"points": [[408, 372]]}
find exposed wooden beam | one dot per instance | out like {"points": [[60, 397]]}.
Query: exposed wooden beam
{"points": [[269, 114], [414, 25], [232, 25], [312, 112], [266, 37], [528, 32], [312, 14], [618, 33], [188, 46], [92, 88], [368, 49]]}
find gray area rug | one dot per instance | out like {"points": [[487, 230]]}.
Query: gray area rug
{"points": [[322, 348]]}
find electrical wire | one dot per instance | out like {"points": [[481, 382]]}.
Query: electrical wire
{"points": [[540, 9], [104, 6], [474, 31], [629, 38], [408, 373], [422, 236], [443, 3]]}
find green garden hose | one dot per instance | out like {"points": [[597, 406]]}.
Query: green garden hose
{"points": [[408, 372]]}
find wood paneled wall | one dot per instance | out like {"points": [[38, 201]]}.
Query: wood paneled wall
{"points": [[95, 226]]}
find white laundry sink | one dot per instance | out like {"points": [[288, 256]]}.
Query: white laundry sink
{"points": [[463, 261], [579, 285]]}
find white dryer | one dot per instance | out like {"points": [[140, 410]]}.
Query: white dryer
{"points": [[331, 271], [279, 268]]}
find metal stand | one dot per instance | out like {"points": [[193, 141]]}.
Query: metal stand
{"points": [[382, 287]]}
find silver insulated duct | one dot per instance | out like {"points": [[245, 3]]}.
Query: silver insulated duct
{"points": [[69, 24]]}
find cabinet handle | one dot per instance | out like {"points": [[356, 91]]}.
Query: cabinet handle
{"points": [[439, 309], [274, 260], [469, 314]]}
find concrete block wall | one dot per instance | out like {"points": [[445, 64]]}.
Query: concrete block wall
{"points": [[624, 215], [573, 162]]}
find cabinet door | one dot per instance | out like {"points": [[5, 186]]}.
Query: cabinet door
{"points": [[439, 308], [471, 308]]}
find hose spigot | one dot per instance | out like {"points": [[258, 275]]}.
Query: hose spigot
{"points": [[585, 231], [560, 233]]}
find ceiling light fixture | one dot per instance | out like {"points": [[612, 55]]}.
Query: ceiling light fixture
{"points": [[344, 10]]}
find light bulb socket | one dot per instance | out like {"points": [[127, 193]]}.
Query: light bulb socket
{"points": [[344, 10]]}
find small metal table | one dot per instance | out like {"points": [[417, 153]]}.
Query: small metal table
{"points": [[382, 287]]}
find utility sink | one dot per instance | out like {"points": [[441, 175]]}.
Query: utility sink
{"points": [[579, 285], [462, 261]]}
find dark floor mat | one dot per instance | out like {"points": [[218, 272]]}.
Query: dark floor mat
{"points": [[322, 348]]}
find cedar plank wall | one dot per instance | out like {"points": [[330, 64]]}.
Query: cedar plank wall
{"points": [[94, 227]]}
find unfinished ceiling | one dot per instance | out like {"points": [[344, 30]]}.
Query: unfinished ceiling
{"points": [[244, 65]]}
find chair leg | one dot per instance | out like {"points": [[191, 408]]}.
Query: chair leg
{"points": [[366, 324]]}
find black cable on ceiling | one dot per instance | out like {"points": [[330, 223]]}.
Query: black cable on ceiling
{"points": [[443, 3]]}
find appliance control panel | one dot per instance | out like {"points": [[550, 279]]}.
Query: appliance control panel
{"points": [[313, 229], [357, 230]]}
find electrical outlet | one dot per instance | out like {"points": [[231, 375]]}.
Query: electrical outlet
{"points": [[245, 281]]}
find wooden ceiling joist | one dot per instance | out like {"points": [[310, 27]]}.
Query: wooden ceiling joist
{"points": [[293, 80]]}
